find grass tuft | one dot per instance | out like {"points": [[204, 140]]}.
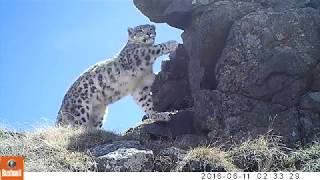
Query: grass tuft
{"points": [[307, 159], [54, 149], [206, 159], [265, 153]]}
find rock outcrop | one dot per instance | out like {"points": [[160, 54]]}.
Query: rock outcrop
{"points": [[123, 156], [248, 67]]}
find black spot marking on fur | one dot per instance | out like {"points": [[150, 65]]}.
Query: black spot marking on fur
{"points": [[152, 52], [83, 120], [82, 110], [101, 84], [147, 57], [87, 115], [138, 62], [117, 93], [91, 81], [93, 89], [109, 70], [85, 85], [158, 51], [145, 88], [79, 89], [100, 77], [79, 101], [112, 78], [87, 107], [118, 70]]}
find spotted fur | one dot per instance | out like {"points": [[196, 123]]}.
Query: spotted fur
{"points": [[130, 73]]}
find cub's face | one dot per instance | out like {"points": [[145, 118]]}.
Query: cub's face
{"points": [[143, 34]]}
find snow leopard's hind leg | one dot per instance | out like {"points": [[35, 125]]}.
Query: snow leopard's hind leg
{"points": [[142, 96]]}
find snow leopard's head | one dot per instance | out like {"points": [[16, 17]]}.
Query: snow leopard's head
{"points": [[143, 34]]}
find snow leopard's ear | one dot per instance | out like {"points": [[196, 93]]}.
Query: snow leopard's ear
{"points": [[130, 31]]}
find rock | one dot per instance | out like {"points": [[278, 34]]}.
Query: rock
{"points": [[316, 77], [168, 158], [250, 66], [205, 39], [123, 156], [188, 141], [180, 123], [175, 153], [173, 76], [266, 67], [177, 13], [264, 62], [311, 101]]}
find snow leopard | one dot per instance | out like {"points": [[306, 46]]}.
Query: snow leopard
{"points": [[128, 73]]}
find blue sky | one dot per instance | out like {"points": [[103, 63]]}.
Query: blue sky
{"points": [[46, 44]]}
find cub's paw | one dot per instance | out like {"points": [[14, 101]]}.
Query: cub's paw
{"points": [[172, 45]]}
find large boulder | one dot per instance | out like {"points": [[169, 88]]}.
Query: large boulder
{"points": [[252, 67], [269, 59]]}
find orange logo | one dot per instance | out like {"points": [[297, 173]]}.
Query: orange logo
{"points": [[11, 167]]}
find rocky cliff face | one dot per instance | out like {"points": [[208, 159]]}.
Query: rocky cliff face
{"points": [[247, 67]]}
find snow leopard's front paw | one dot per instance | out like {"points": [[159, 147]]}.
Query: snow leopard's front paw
{"points": [[161, 116], [172, 46]]}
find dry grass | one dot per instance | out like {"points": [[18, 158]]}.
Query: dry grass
{"points": [[206, 159], [62, 149], [54, 149], [307, 159], [265, 153]]}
